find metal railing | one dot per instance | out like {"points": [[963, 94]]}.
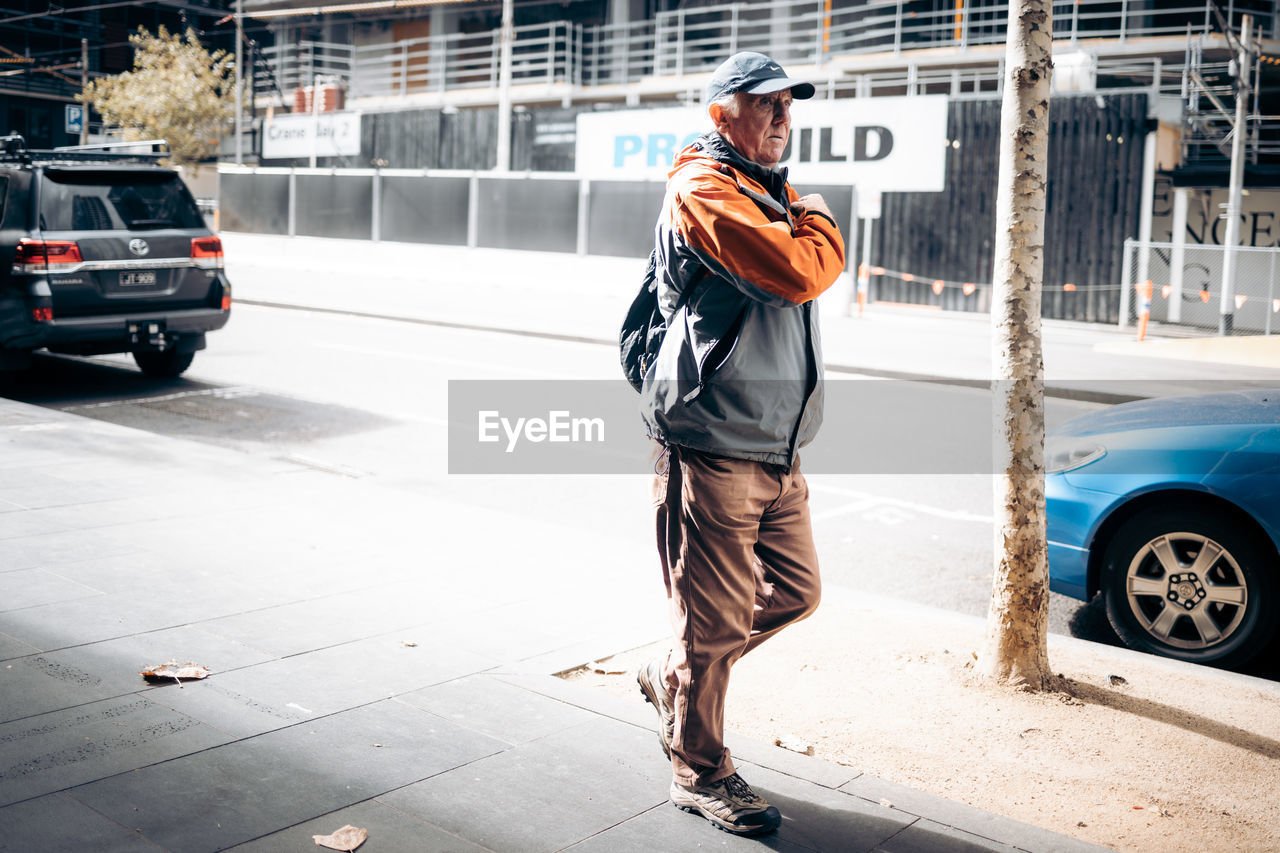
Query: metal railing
{"points": [[618, 53], [545, 53], [15, 80], [1151, 74], [690, 41], [299, 64]]}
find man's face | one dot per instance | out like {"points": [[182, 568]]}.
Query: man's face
{"points": [[760, 129]]}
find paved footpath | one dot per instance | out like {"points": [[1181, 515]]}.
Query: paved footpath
{"points": [[379, 657]]}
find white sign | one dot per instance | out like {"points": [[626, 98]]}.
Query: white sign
{"points": [[75, 118], [883, 144], [303, 135]]}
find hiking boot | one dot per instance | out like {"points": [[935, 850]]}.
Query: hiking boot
{"points": [[654, 688], [729, 804]]}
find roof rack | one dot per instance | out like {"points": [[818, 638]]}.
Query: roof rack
{"points": [[14, 148]]}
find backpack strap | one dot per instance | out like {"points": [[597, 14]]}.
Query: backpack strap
{"points": [[700, 276]]}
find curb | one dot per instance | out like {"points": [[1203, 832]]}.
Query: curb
{"points": [[1124, 656], [1061, 392]]}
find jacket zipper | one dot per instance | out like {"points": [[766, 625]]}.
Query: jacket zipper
{"points": [[714, 360]]}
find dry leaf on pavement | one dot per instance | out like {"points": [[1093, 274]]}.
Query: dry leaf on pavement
{"points": [[603, 668], [172, 670], [348, 838], [794, 744]]}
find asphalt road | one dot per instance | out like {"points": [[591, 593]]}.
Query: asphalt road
{"points": [[367, 398]]}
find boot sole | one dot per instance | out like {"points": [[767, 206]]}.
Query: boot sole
{"points": [[748, 832]]}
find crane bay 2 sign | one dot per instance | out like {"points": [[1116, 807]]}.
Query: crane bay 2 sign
{"points": [[885, 144], [297, 135]]}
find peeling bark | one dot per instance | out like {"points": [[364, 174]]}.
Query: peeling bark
{"points": [[1015, 651]]}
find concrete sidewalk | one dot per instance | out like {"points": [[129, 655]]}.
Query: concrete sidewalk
{"points": [[370, 665]]}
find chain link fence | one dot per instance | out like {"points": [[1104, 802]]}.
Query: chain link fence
{"points": [[1183, 288]]}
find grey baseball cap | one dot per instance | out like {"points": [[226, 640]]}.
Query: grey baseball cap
{"points": [[754, 73]]}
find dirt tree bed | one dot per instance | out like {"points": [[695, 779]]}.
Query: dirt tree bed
{"points": [[1136, 754]]}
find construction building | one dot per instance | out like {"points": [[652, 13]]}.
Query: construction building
{"points": [[547, 123]]}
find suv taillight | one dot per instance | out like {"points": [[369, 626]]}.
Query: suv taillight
{"points": [[206, 252], [55, 256]]}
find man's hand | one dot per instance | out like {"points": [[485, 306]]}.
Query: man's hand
{"points": [[813, 202]]}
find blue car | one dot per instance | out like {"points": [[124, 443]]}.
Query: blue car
{"points": [[1170, 509]]}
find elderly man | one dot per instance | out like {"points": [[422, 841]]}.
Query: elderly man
{"points": [[735, 391]]}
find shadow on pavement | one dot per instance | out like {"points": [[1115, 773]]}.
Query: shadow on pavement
{"points": [[1194, 723], [1089, 622], [116, 392], [60, 381], [808, 825]]}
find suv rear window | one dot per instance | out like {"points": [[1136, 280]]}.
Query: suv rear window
{"points": [[84, 200]]}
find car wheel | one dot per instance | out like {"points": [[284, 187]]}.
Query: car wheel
{"points": [[1192, 584], [166, 364]]}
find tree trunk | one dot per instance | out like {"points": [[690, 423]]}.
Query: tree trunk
{"points": [[1015, 651]]}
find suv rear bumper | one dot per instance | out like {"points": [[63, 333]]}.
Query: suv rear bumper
{"points": [[112, 333]]}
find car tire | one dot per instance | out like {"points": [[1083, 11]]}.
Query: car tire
{"points": [[1190, 583], [166, 364]]}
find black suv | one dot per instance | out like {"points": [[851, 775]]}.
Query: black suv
{"points": [[104, 252]]}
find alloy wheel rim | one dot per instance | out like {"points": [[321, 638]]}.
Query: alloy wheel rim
{"points": [[1187, 591]]}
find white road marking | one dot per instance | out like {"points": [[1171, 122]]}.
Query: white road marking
{"points": [[868, 501], [415, 418], [42, 426], [327, 467], [231, 393], [846, 509], [455, 362]]}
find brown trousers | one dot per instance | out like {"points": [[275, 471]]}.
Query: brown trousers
{"points": [[739, 563]]}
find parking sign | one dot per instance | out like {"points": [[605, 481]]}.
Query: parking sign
{"points": [[75, 118]]}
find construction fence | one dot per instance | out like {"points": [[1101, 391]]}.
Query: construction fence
{"points": [[567, 213], [541, 211], [1183, 286]]}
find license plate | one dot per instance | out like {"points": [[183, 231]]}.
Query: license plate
{"points": [[139, 278]]}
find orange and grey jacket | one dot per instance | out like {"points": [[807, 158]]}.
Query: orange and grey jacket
{"points": [[739, 372]]}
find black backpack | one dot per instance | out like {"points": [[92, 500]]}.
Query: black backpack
{"points": [[644, 327]]}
